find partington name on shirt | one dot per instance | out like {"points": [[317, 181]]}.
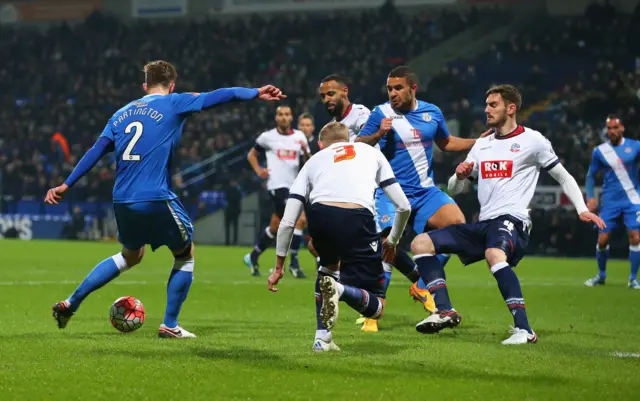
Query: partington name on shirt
{"points": [[146, 111]]}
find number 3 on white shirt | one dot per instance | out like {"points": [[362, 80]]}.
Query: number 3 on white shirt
{"points": [[127, 156]]}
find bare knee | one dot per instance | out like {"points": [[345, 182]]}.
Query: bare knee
{"points": [[447, 215], [184, 253], [312, 248], [302, 222], [603, 240], [273, 225], [634, 238], [422, 245], [495, 256], [132, 257]]}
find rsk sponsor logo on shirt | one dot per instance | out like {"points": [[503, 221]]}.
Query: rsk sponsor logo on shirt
{"points": [[287, 154], [497, 169]]}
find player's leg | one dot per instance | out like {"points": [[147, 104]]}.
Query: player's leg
{"points": [[436, 211], [172, 227], [324, 244], [133, 241], [634, 258], [506, 241], [602, 255], [610, 215], [296, 241], [178, 286], [313, 251], [465, 240], [265, 240]]}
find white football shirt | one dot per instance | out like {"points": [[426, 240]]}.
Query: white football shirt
{"points": [[355, 118], [283, 156], [343, 172], [507, 169]]}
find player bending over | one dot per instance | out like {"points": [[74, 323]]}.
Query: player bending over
{"points": [[507, 165], [283, 146], [144, 135], [336, 186], [406, 129], [618, 158], [334, 94]]}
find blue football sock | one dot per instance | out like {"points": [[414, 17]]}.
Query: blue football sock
{"points": [[444, 259], [264, 241], [177, 289], [296, 241], [362, 301], [406, 266], [512, 293], [432, 273], [634, 259], [421, 284], [387, 280], [104, 272], [601, 256]]}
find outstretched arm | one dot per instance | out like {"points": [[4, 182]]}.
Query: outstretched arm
{"points": [[185, 103], [455, 144], [594, 167], [571, 188], [102, 146]]}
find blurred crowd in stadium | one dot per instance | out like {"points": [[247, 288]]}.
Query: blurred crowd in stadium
{"points": [[61, 85]]}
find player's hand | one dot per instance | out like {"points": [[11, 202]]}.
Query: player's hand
{"points": [[303, 145], [388, 251], [263, 173], [590, 217], [463, 170], [486, 133], [275, 277], [592, 205], [270, 93], [386, 125], [55, 195]]}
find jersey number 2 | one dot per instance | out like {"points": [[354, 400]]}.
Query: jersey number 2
{"points": [[346, 152], [127, 156]]}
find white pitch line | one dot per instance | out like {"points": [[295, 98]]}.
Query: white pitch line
{"points": [[626, 354]]}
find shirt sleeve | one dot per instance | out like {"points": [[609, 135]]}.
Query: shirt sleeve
{"points": [[545, 156], [594, 167], [304, 140], [473, 158], [362, 120], [262, 143], [107, 132], [300, 188], [185, 103], [443, 131], [385, 176], [372, 125]]}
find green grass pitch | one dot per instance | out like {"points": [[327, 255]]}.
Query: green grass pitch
{"points": [[256, 345]]}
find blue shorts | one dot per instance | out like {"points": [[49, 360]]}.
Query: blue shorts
{"points": [[348, 236], [611, 214], [155, 223], [423, 206], [470, 241]]}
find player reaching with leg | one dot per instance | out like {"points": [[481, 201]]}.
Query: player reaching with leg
{"points": [[283, 146], [618, 159], [144, 135], [336, 185], [507, 165], [334, 94], [405, 128]]}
